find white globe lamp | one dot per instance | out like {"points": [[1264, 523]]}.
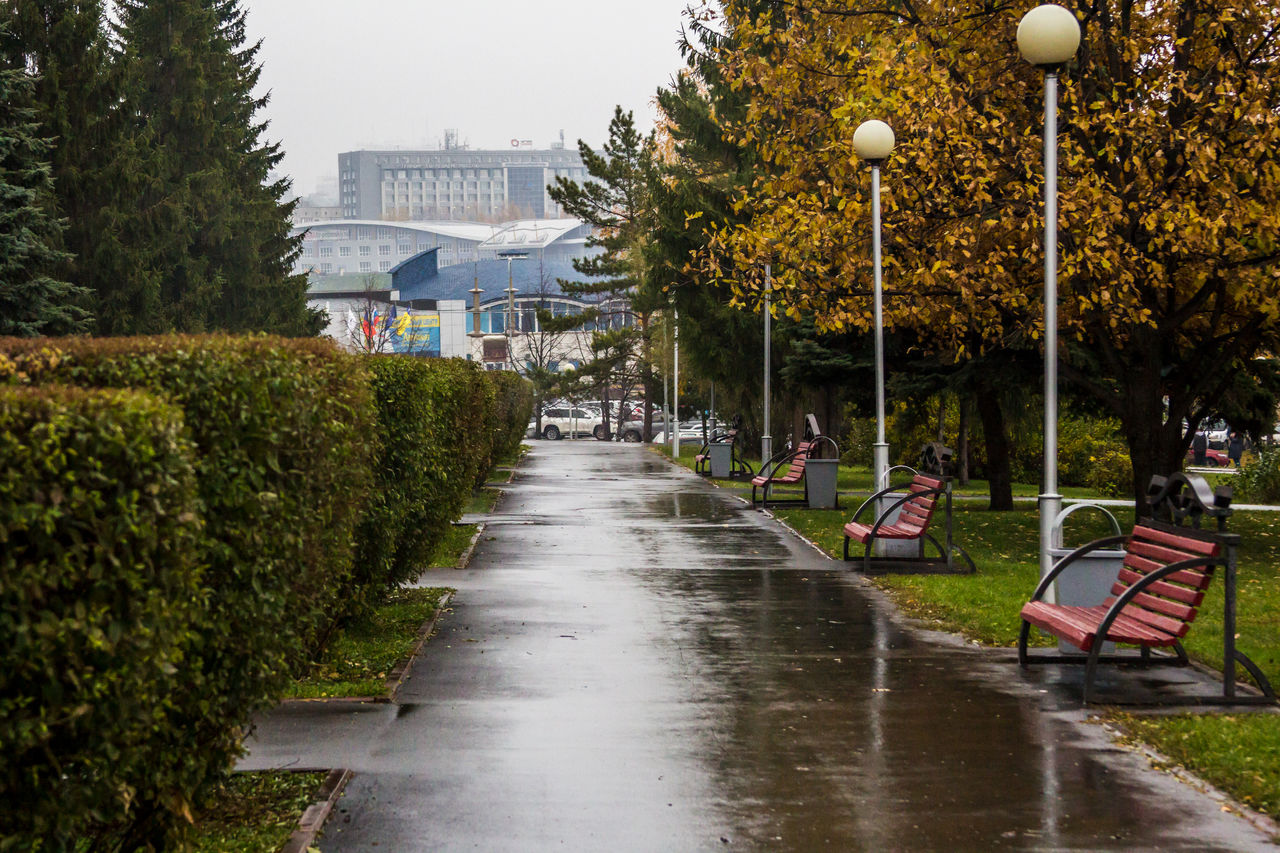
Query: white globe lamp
{"points": [[1048, 35]]}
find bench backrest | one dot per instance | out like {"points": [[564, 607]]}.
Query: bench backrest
{"points": [[1169, 604], [795, 468], [918, 509]]}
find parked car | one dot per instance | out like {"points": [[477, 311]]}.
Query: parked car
{"points": [[632, 430], [690, 433], [576, 422], [1212, 458]]}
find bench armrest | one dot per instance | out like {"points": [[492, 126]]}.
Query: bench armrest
{"points": [[880, 521], [769, 468], [884, 516], [1060, 566], [869, 501], [1147, 580]]}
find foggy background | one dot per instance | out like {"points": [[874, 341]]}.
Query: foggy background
{"points": [[346, 75]]}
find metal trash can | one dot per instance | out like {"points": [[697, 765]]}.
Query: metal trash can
{"points": [[721, 453], [820, 477], [1088, 581], [895, 547]]}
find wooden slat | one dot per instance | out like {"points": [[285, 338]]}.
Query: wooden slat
{"points": [[1202, 547], [1160, 553], [1079, 625], [1172, 609], [1195, 578], [1164, 588], [1175, 627]]}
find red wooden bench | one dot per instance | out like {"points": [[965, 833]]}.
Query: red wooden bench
{"points": [[795, 459], [914, 505], [1154, 601]]}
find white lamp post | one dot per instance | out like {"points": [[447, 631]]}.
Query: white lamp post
{"points": [[873, 141], [511, 302], [1048, 37], [766, 440], [674, 426]]}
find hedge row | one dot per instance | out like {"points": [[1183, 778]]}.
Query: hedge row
{"points": [[100, 564], [285, 482]]}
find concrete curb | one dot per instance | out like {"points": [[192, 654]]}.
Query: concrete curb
{"points": [[465, 558], [313, 819], [400, 674], [1163, 763]]}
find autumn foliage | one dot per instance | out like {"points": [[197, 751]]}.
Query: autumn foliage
{"points": [[1169, 188]]}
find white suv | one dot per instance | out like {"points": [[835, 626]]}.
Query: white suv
{"points": [[558, 422]]}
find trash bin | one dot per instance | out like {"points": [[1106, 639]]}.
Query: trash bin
{"points": [[820, 477], [1088, 581], [721, 453]]}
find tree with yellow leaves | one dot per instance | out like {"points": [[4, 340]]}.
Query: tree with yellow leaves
{"points": [[1169, 188]]}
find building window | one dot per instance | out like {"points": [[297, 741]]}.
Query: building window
{"points": [[406, 249], [384, 233], [326, 251], [365, 251], [385, 249], [344, 251], [366, 266], [383, 266], [326, 268]]}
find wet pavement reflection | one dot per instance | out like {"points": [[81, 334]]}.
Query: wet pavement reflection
{"points": [[636, 661]]}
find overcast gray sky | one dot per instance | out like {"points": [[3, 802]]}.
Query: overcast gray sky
{"points": [[351, 74]]}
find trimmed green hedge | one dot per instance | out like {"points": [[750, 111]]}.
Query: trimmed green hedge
{"points": [[99, 556], [438, 420], [320, 480], [512, 411], [284, 434]]}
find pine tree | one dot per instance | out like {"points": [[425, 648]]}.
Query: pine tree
{"points": [[32, 301], [617, 204]]}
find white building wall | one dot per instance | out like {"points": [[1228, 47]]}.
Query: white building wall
{"points": [[453, 329]]}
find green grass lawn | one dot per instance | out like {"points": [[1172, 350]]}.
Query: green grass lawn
{"points": [[1239, 753], [360, 657], [455, 542], [254, 812], [483, 501]]}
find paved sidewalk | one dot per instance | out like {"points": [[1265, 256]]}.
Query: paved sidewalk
{"points": [[636, 661]]}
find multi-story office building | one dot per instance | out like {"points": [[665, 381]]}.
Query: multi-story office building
{"points": [[454, 183]]}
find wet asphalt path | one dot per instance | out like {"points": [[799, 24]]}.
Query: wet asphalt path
{"points": [[636, 661]]}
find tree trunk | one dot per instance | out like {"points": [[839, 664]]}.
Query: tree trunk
{"points": [[1155, 440], [962, 443], [999, 477], [604, 415]]}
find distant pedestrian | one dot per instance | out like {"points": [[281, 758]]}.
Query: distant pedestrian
{"points": [[1235, 449], [1200, 449]]}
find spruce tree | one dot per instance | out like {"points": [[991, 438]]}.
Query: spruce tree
{"points": [[215, 219], [32, 301], [617, 204], [268, 296], [97, 168]]}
